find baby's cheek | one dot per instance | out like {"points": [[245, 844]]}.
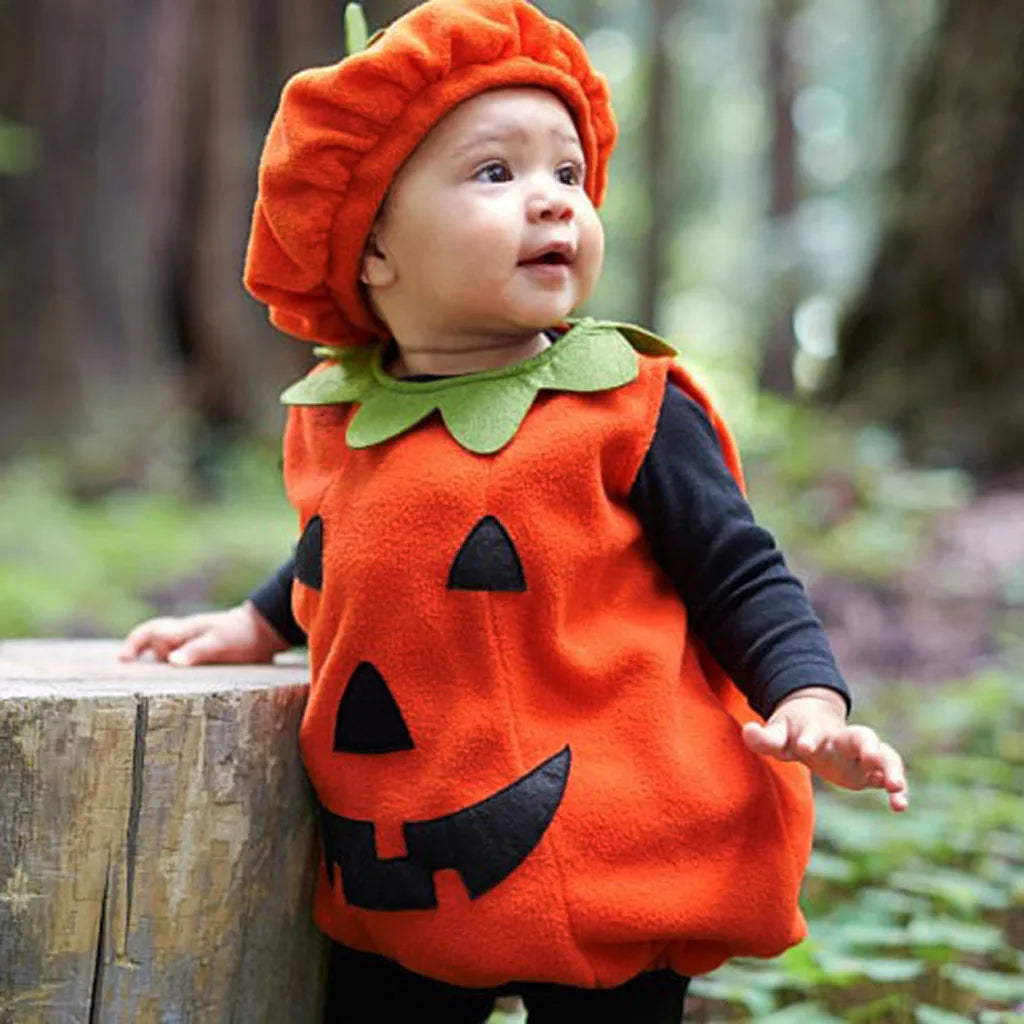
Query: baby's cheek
{"points": [[591, 253]]}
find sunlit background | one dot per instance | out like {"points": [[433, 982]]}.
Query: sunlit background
{"points": [[733, 264]]}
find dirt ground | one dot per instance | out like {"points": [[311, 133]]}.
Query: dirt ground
{"points": [[952, 611]]}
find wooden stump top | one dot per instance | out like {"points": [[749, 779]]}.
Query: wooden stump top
{"points": [[89, 668]]}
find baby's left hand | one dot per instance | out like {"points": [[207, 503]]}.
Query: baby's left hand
{"points": [[810, 726]]}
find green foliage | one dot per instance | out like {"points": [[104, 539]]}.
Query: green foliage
{"points": [[17, 148], [69, 568], [840, 496]]}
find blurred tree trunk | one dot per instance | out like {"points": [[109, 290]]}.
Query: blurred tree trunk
{"points": [[932, 346], [580, 15], [657, 161], [380, 12], [779, 344], [124, 294]]}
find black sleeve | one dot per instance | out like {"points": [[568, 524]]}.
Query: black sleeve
{"points": [[273, 600], [743, 602]]}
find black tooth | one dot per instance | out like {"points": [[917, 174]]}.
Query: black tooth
{"points": [[484, 843]]}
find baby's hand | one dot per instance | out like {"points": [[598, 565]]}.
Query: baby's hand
{"points": [[239, 635], [810, 726]]}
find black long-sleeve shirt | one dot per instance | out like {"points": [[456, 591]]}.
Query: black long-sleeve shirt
{"points": [[742, 600]]}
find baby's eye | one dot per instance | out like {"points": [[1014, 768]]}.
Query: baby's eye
{"points": [[495, 171], [570, 173]]}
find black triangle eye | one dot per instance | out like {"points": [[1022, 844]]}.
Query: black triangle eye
{"points": [[487, 560], [369, 721], [309, 554]]}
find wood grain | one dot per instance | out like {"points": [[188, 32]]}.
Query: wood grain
{"points": [[156, 841]]}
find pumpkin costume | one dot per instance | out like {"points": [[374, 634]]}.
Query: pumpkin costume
{"points": [[538, 739], [528, 766]]}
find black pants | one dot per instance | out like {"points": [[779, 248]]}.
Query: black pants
{"points": [[367, 989]]}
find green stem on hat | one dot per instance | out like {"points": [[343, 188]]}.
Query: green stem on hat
{"points": [[356, 32]]}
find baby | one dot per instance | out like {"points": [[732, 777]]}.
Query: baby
{"points": [[565, 693]]}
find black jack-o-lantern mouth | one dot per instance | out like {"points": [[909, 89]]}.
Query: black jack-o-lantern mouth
{"points": [[484, 843]]}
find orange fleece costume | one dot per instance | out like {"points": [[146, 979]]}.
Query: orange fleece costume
{"points": [[530, 716], [527, 768]]}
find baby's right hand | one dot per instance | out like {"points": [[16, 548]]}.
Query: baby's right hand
{"points": [[238, 635]]}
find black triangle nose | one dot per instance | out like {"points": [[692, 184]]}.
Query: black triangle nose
{"points": [[487, 560], [369, 720]]}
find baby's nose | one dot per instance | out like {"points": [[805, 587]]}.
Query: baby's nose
{"points": [[549, 206]]}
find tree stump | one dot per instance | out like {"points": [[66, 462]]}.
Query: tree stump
{"points": [[157, 853]]}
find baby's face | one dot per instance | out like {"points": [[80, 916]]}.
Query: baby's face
{"points": [[487, 229]]}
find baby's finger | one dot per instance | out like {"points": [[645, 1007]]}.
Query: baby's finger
{"points": [[899, 801], [860, 745], [134, 643], [142, 638], [806, 740], [894, 776], [771, 740], [207, 648], [888, 773], [159, 637], [899, 795]]}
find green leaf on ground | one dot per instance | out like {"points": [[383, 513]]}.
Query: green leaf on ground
{"points": [[992, 985]]}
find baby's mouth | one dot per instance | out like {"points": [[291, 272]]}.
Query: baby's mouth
{"points": [[554, 257]]}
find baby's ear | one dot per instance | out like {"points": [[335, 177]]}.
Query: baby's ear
{"points": [[376, 270]]}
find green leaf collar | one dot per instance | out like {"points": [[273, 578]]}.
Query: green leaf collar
{"points": [[482, 411]]}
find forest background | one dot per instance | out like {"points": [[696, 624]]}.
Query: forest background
{"points": [[820, 202]]}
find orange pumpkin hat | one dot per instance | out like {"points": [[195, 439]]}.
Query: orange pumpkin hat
{"points": [[341, 132]]}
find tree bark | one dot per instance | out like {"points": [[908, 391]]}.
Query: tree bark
{"points": [[125, 296], [380, 13], [657, 165], [932, 344], [157, 852], [779, 344]]}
